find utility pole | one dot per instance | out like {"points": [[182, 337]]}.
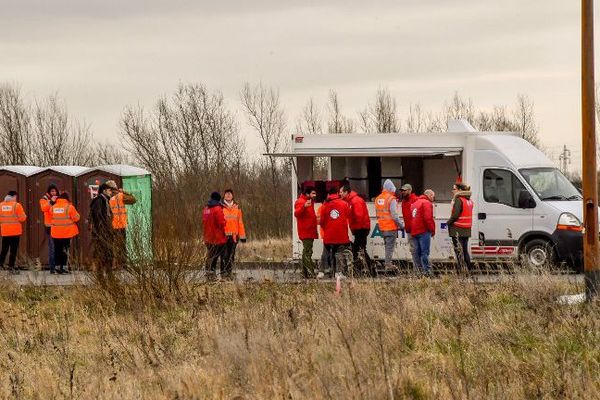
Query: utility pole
{"points": [[588, 136], [564, 159]]}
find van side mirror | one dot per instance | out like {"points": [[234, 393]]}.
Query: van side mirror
{"points": [[526, 200]]}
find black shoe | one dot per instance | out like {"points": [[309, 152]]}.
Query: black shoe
{"points": [[53, 271], [15, 271], [60, 271], [66, 271]]}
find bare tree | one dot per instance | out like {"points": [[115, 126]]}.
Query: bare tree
{"points": [[381, 116], [55, 139], [459, 108], [190, 134], [14, 126], [310, 122], [416, 121], [524, 120], [384, 115], [338, 123]]}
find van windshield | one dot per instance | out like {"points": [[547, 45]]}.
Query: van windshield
{"points": [[550, 184]]}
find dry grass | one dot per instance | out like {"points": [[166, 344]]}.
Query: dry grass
{"points": [[275, 250], [408, 339]]}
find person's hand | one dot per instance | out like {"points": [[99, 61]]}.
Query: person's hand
{"points": [[243, 240], [54, 198], [308, 203]]}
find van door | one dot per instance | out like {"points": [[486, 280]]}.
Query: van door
{"points": [[501, 221]]}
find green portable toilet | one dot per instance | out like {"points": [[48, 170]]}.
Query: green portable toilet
{"points": [[136, 181]]}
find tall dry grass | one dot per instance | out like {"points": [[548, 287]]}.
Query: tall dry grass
{"points": [[419, 339]]}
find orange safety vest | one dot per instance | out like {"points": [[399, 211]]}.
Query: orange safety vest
{"points": [[11, 216], [234, 223], [383, 212], [45, 207], [465, 220], [119, 211], [64, 218]]}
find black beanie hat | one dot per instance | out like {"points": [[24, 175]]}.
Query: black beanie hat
{"points": [[216, 196]]}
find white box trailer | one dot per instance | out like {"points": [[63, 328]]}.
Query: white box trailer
{"points": [[523, 205]]}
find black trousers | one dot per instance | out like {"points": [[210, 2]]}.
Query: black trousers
{"points": [[61, 247], [9, 243], [228, 258], [120, 248], [213, 253], [360, 244], [461, 250]]}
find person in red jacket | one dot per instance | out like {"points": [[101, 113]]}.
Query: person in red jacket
{"points": [[360, 225], [214, 234], [306, 222], [423, 228], [408, 198], [333, 219]]}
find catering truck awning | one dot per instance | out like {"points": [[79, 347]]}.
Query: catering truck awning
{"points": [[371, 151]]}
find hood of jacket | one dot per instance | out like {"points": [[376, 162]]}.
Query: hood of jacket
{"points": [[389, 186], [332, 197], [466, 194], [213, 203]]}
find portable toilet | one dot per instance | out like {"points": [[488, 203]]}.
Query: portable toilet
{"points": [[64, 178], [15, 177], [134, 180]]}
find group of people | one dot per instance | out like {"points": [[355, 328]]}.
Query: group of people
{"points": [[223, 230], [344, 210], [107, 223]]}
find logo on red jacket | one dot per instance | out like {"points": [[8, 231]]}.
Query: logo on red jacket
{"points": [[334, 214], [414, 212]]}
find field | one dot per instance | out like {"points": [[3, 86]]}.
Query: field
{"points": [[412, 338]]}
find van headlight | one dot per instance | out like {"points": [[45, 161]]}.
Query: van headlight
{"points": [[569, 222]]}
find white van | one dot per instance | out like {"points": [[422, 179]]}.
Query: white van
{"points": [[525, 209]]}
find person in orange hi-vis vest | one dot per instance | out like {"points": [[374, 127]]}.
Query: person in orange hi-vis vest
{"points": [[118, 201], [46, 202], [388, 219], [460, 224], [234, 230], [63, 229], [12, 216]]}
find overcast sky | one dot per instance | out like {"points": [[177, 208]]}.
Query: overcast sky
{"points": [[103, 55]]}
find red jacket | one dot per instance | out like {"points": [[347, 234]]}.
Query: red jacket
{"points": [[359, 214], [306, 219], [214, 223], [406, 214], [422, 217], [334, 220]]}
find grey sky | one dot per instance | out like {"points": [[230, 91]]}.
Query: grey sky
{"points": [[103, 55]]}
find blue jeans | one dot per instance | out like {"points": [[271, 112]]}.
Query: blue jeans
{"points": [[423, 246], [51, 252]]}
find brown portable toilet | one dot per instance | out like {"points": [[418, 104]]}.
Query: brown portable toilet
{"points": [[14, 177], [87, 189], [64, 178]]}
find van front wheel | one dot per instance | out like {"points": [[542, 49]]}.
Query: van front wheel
{"points": [[537, 253]]}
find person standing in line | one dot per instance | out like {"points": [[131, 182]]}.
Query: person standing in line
{"points": [[360, 226], [102, 232], [46, 203], [460, 223], [234, 230], [12, 217], [423, 228], [408, 198], [306, 224], [64, 228], [214, 234], [118, 201], [386, 207], [334, 220]]}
